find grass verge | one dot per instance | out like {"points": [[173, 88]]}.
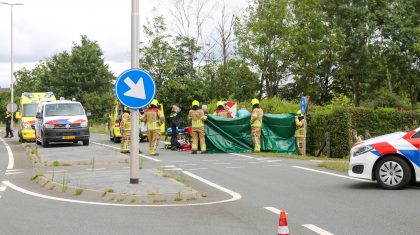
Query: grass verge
{"points": [[98, 128], [336, 164]]}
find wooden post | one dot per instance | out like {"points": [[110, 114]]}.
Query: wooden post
{"points": [[328, 144]]}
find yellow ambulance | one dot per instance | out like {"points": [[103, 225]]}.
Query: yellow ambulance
{"points": [[27, 113]]}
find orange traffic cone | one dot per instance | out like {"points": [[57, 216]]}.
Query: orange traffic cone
{"points": [[283, 227]]}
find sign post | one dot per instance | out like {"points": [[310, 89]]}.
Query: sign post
{"points": [[304, 103]]}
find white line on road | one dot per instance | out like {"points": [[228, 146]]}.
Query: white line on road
{"points": [[56, 171], [212, 160], [9, 152], [178, 161], [144, 156], [168, 166], [262, 158], [14, 170], [222, 163], [272, 165], [189, 164], [2, 188], [13, 173], [274, 210], [241, 159], [234, 167], [173, 169], [241, 155], [255, 162], [329, 173], [273, 161], [197, 169], [95, 169], [317, 229]]}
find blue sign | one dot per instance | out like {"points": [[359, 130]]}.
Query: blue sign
{"points": [[303, 104], [135, 88]]}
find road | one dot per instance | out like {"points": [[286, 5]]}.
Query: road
{"points": [[317, 201]]}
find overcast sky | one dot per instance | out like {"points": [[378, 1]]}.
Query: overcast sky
{"points": [[45, 27]]}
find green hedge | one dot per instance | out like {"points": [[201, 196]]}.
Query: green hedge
{"points": [[338, 123]]}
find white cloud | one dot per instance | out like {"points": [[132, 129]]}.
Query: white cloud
{"points": [[45, 27]]}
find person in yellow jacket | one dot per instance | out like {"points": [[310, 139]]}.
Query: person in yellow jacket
{"points": [[154, 119], [126, 132], [256, 124], [221, 110], [300, 132], [197, 127]]}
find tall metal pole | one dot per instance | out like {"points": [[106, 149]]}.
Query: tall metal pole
{"points": [[11, 56], [11, 65], [134, 149]]}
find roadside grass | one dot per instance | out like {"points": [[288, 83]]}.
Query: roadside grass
{"points": [[98, 128], [337, 164]]}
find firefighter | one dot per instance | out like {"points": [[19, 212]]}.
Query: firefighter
{"points": [[8, 120], [256, 123], [126, 132], [197, 123], [174, 126], [221, 110], [300, 131], [154, 119]]}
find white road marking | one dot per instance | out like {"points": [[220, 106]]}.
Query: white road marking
{"points": [[234, 167], [241, 159], [173, 169], [222, 163], [274, 210], [262, 158], [9, 152], [317, 229], [95, 169], [234, 196], [14, 170], [144, 156], [329, 173], [13, 173], [168, 166], [56, 171], [197, 169], [190, 164], [241, 155], [178, 161], [2, 188], [272, 165], [269, 161], [212, 160], [255, 162]]}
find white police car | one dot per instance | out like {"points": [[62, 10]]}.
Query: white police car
{"points": [[392, 160]]}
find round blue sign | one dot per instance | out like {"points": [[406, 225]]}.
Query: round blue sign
{"points": [[135, 88]]}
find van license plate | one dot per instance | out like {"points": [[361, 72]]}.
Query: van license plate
{"points": [[70, 137]]}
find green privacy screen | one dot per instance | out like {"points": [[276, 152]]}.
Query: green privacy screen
{"points": [[233, 135]]}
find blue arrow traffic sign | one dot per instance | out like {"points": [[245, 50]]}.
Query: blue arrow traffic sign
{"points": [[135, 88], [303, 104]]}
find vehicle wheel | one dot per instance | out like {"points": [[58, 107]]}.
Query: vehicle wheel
{"points": [[44, 142], [110, 136], [393, 173], [37, 142], [116, 140], [85, 142], [20, 139], [75, 142]]}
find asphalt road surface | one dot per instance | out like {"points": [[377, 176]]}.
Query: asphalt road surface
{"points": [[317, 201]]}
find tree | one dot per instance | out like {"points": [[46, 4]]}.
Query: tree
{"points": [[263, 41]]}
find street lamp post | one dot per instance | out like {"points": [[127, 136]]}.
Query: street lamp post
{"points": [[11, 55]]}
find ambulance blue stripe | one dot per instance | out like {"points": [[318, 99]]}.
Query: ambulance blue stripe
{"points": [[412, 155]]}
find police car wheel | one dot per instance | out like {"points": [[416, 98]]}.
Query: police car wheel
{"points": [[393, 173]]}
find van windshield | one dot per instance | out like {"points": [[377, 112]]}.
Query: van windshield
{"points": [[64, 109], [29, 110]]}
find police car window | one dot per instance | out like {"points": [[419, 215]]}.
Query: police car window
{"points": [[416, 136]]}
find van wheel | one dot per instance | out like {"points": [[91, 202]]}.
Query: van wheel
{"points": [[37, 142], [45, 143], [116, 140], [85, 142], [110, 136], [20, 139], [393, 173]]}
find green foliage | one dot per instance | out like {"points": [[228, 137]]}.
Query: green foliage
{"points": [[80, 73]]}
